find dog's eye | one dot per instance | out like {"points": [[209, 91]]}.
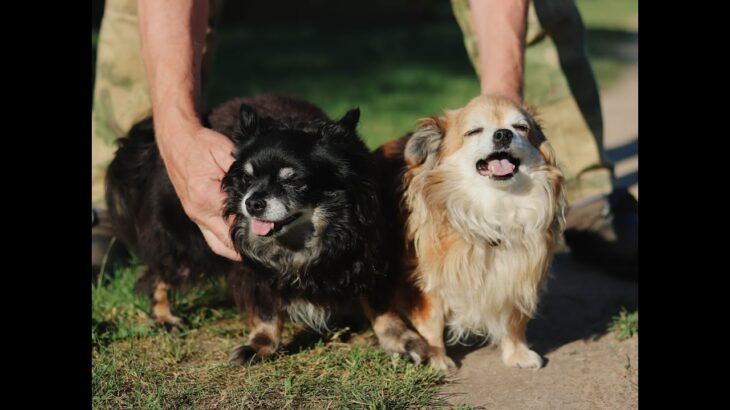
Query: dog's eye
{"points": [[296, 184], [521, 127], [473, 132]]}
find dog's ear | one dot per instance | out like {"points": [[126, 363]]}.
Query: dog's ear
{"points": [[342, 130], [537, 137], [250, 125], [350, 119], [548, 153], [424, 144], [248, 121]]}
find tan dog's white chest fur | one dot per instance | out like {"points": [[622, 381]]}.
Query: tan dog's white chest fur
{"points": [[479, 283], [483, 243], [492, 258]]}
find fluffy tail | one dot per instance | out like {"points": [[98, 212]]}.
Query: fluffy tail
{"points": [[135, 159]]}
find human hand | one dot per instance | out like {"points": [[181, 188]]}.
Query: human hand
{"points": [[196, 159]]}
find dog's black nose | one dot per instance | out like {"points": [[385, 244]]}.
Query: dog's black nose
{"points": [[255, 205], [502, 138]]}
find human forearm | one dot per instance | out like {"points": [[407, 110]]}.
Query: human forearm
{"points": [[500, 28], [172, 33]]}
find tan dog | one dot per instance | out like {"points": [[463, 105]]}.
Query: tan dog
{"points": [[482, 208]]}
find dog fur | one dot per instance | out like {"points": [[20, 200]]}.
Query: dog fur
{"points": [[477, 244], [305, 202]]}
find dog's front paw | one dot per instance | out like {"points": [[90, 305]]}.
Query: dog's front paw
{"points": [[523, 357], [245, 355], [442, 362], [168, 321], [415, 347]]}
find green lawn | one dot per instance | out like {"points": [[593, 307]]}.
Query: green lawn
{"points": [[395, 76], [138, 366]]}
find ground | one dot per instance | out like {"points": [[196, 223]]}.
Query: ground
{"points": [[586, 367]]}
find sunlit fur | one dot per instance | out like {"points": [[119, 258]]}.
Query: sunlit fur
{"points": [[483, 246]]}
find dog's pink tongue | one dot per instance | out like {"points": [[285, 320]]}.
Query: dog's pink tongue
{"points": [[261, 228], [500, 167]]}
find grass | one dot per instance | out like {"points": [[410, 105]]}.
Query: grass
{"points": [[135, 365], [625, 325], [610, 14]]}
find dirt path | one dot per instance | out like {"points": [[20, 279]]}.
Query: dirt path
{"points": [[620, 105], [586, 368]]}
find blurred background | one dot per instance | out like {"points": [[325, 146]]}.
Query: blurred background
{"points": [[399, 60]]}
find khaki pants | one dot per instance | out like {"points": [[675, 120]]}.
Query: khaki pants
{"points": [[571, 114], [121, 97]]}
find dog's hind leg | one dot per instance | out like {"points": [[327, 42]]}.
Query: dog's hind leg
{"points": [[263, 339], [158, 288], [393, 333], [161, 311], [427, 315], [265, 317]]}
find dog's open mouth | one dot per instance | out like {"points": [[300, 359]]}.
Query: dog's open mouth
{"points": [[266, 228], [498, 165]]}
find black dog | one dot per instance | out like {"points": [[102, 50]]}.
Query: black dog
{"points": [[307, 222]]}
